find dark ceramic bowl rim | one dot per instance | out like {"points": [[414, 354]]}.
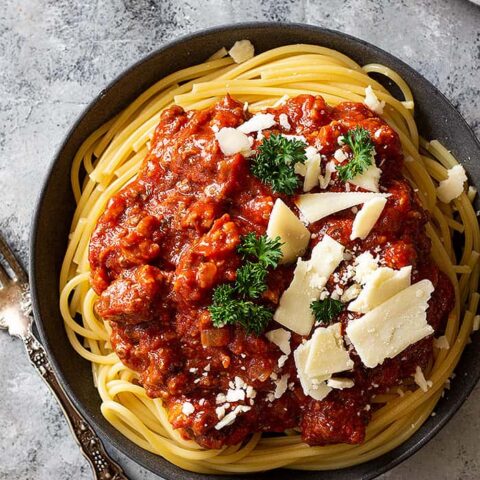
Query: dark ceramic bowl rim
{"points": [[157, 464]]}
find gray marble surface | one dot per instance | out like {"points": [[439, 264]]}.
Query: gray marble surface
{"points": [[57, 54]]}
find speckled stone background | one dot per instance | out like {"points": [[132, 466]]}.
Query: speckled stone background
{"points": [[55, 55]]}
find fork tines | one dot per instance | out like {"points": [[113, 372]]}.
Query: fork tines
{"points": [[12, 262]]}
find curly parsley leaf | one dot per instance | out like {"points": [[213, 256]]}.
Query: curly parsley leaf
{"points": [[255, 317], [223, 293], [275, 162], [232, 311], [250, 281], [266, 250], [326, 310], [231, 303], [224, 308], [363, 150]]}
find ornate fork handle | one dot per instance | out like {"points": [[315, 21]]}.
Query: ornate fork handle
{"points": [[90, 444]]}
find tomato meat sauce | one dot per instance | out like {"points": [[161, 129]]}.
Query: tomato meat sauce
{"points": [[168, 238]]}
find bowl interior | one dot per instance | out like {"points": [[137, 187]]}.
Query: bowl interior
{"points": [[435, 117]]}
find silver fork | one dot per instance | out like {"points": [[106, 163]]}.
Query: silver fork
{"points": [[16, 316]]}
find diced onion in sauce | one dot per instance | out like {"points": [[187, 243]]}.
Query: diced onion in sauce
{"points": [[215, 337]]}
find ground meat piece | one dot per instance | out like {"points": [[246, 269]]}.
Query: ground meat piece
{"points": [[133, 297], [443, 297], [403, 366], [208, 262], [340, 418]]}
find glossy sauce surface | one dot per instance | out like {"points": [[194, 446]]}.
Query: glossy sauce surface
{"points": [[169, 237]]}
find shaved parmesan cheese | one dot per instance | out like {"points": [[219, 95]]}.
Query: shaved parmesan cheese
{"points": [[281, 338], [237, 390], [235, 395], [352, 292], [300, 356], [300, 169], [229, 418], [231, 141], [242, 51], [282, 360], [420, 380], [340, 383], [441, 343], [309, 278], [325, 179], [326, 257], [318, 389], [187, 408], [327, 353], [315, 206], [301, 138], [367, 217], [251, 392], [369, 179], [391, 327], [283, 121], [365, 265], [281, 386], [294, 235], [312, 171], [372, 101], [340, 156], [314, 387], [294, 307], [281, 101], [326, 347], [381, 285], [220, 412], [452, 187], [260, 121]]}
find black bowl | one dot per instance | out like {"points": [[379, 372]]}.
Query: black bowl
{"points": [[436, 118]]}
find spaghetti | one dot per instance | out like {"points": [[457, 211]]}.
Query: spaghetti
{"points": [[111, 158]]}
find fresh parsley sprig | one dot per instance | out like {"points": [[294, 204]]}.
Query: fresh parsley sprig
{"points": [[363, 150], [275, 162], [232, 303], [326, 310], [223, 309], [251, 280], [251, 316], [266, 250]]}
